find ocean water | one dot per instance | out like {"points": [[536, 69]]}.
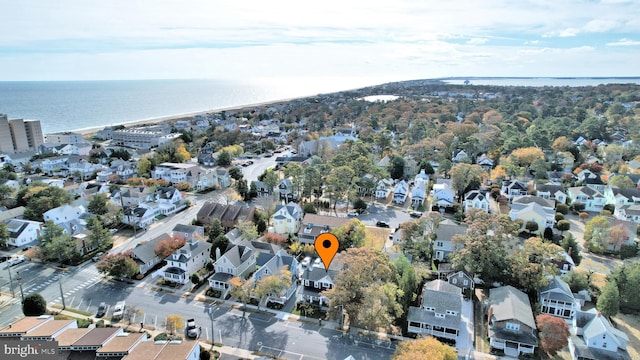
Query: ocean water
{"points": [[73, 105]]}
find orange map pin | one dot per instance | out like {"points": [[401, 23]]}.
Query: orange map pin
{"points": [[326, 246]]}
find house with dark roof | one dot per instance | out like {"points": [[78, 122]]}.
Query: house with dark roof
{"points": [[237, 261], [262, 189], [619, 196], [144, 253], [314, 225], [475, 199], [461, 279], [190, 258], [557, 299], [188, 232], [512, 327], [596, 339], [315, 280], [270, 265], [23, 232], [287, 218], [439, 311], [513, 188], [229, 215], [485, 162], [87, 341], [286, 189]]}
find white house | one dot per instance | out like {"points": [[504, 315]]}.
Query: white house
{"points": [[22, 232], [551, 192], [595, 338], [592, 199], [383, 188], [439, 313], [513, 188], [443, 194], [557, 299], [531, 208], [237, 261], [278, 262], [474, 199], [512, 327], [187, 260], [419, 191], [64, 213], [400, 192], [287, 218]]}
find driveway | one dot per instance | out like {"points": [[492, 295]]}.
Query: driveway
{"points": [[464, 342]]}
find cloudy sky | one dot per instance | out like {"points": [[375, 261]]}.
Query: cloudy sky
{"points": [[382, 40]]}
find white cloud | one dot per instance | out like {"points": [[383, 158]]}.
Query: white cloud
{"points": [[477, 41], [624, 42]]}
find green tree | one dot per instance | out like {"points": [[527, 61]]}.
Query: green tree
{"points": [[312, 181], [396, 167], [621, 181], [98, 204], [40, 199], [609, 299], [424, 348], [576, 280], [273, 285], [295, 172], [570, 245], [563, 225], [34, 305], [235, 173], [57, 244], [531, 265], [242, 188], [365, 289], [144, 167], [215, 229], [271, 179], [466, 177], [351, 234], [220, 242], [4, 234], [119, 265], [5, 191], [407, 281], [248, 230], [483, 249], [224, 158], [627, 279], [98, 237], [359, 205], [309, 208], [531, 226]]}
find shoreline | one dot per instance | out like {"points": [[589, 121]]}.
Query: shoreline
{"points": [[91, 131]]}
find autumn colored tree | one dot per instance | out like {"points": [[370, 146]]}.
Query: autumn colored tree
{"points": [[119, 265], [617, 236], [351, 234], [596, 233], [553, 332], [531, 265], [562, 144], [174, 322], [424, 348], [273, 285], [497, 174], [168, 245], [621, 181], [526, 156]]}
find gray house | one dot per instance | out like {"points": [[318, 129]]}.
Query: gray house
{"points": [[439, 311], [145, 254], [512, 327]]}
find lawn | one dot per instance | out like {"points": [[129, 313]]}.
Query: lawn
{"points": [[376, 237], [630, 325]]}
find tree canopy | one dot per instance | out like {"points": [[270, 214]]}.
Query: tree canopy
{"points": [[424, 348]]}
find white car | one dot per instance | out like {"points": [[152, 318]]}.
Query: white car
{"points": [[306, 261], [352, 214], [16, 260], [118, 310]]}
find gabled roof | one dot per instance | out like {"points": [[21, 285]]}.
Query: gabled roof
{"points": [[475, 195], [49, 328], [557, 289], [627, 193], [550, 188], [237, 254], [146, 251], [510, 303], [447, 229], [590, 192], [528, 199], [183, 228], [294, 210]]}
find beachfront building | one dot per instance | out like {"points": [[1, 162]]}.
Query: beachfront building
{"points": [[65, 137], [143, 137], [19, 135]]}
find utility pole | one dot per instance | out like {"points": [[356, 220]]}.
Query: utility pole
{"points": [[19, 278], [13, 292], [61, 292]]}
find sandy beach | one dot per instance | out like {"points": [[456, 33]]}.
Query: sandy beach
{"points": [[91, 131]]}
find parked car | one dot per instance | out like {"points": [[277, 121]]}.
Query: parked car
{"points": [[306, 261], [97, 257], [16, 260], [383, 224], [192, 330], [118, 310], [415, 214], [352, 214], [102, 309]]}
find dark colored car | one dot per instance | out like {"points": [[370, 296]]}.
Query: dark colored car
{"points": [[102, 309], [383, 224]]}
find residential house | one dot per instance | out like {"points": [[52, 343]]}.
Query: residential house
{"points": [[237, 261], [262, 189], [273, 265], [178, 172], [532, 208], [400, 192], [144, 206], [551, 192], [120, 346], [22, 232], [443, 194], [596, 339], [224, 179], [287, 218], [322, 145], [383, 188], [49, 330], [21, 327], [229, 215], [8, 214], [557, 299], [188, 232], [628, 212], [485, 162], [419, 191], [285, 189], [513, 188], [461, 156], [443, 246], [85, 341], [595, 183], [564, 262], [462, 280], [64, 213], [474, 199], [619, 196], [315, 280], [145, 255], [512, 327], [187, 260], [314, 225], [439, 311], [558, 177], [592, 199]]}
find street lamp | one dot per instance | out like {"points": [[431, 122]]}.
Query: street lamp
{"points": [[213, 334]]}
